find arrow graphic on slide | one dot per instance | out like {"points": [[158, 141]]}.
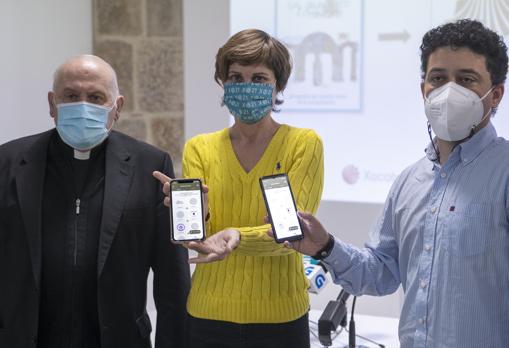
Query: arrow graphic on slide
{"points": [[402, 36]]}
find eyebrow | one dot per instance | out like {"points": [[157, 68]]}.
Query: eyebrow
{"points": [[463, 71], [72, 90], [437, 70], [69, 89], [255, 73], [470, 71]]}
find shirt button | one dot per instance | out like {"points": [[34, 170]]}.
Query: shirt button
{"points": [[421, 321], [443, 175], [433, 210], [427, 247], [423, 284]]}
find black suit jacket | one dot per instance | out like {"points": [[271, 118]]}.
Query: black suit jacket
{"points": [[134, 237]]}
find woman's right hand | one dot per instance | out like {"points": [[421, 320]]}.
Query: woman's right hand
{"points": [[165, 181]]}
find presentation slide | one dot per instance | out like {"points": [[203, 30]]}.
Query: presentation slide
{"points": [[356, 79]]}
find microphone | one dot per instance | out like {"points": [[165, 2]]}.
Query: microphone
{"points": [[334, 314], [316, 274]]}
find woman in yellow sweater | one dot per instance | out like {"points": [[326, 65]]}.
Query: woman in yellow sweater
{"points": [[254, 294]]}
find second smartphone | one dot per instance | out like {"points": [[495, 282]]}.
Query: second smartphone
{"points": [[281, 207], [186, 210]]}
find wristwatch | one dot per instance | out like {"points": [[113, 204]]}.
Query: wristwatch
{"points": [[326, 250]]}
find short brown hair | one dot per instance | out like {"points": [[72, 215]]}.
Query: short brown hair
{"points": [[253, 46]]}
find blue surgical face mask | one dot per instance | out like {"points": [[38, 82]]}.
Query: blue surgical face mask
{"points": [[82, 125], [248, 102]]}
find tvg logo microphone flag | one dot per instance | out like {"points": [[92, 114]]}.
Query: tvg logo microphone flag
{"points": [[320, 281], [317, 278]]}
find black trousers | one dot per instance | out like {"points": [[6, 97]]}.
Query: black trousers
{"points": [[204, 333]]}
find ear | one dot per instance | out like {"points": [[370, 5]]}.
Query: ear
{"points": [[120, 105], [52, 105], [422, 90], [498, 93]]}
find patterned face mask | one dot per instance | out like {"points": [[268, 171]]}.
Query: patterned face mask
{"points": [[248, 102]]}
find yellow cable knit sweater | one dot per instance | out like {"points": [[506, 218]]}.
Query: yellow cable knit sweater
{"points": [[260, 281]]}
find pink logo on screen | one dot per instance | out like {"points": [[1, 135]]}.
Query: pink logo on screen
{"points": [[351, 174]]}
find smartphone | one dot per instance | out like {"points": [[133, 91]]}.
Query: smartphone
{"points": [[186, 210], [281, 207]]}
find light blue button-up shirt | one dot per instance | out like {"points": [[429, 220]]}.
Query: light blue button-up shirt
{"points": [[444, 236]]}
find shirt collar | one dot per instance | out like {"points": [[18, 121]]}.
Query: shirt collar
{"points": [[469, 149], [430, 152]]}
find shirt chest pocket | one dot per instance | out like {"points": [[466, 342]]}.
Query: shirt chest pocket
{"points": [[468, 228]]}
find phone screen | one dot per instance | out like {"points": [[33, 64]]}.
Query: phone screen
{"points": [[186, 210], [281, 207]]}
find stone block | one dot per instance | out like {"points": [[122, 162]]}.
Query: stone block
{"points": [[135, 127], [168, 135], [177, 168], [164, 17], [120, 55], [159, 73], [118, 17]]}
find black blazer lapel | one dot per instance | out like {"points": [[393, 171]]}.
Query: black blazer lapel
{"points": [[118, 176], [30, 184]]}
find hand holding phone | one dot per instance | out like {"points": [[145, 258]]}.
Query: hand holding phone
{"points": [[281, 208], [186, 210]]}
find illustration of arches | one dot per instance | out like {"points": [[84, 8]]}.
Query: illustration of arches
{"points": [[338, 60], [318, 43]]}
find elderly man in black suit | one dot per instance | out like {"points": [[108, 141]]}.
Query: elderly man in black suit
{"points": [[81, 223]]}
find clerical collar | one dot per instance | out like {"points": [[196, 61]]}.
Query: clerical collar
{"points": [[71, 153], [82, 155]]}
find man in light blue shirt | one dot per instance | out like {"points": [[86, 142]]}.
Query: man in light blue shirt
{"points": [[444, 231]]}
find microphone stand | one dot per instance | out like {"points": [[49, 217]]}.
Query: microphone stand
{"points": [[351, 332]]}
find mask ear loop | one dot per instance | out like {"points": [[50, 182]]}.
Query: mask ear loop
{"points": [[274, 107], [432, 142], [485, 116], [111, 127], [114, 118]]}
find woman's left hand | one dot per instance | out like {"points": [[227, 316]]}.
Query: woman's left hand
{"points": [[216, 247]]}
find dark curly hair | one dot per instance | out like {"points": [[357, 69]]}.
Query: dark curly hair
{"points": [[470, 34]]}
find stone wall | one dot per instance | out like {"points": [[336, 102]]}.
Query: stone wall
{"points": [[142, 40]]}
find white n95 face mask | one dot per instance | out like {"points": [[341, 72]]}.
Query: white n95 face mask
{"points": [[454, 111]]}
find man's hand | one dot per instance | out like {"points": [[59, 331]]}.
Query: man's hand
{"points": [[215, 247], [165, 181], [315, 235]]}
